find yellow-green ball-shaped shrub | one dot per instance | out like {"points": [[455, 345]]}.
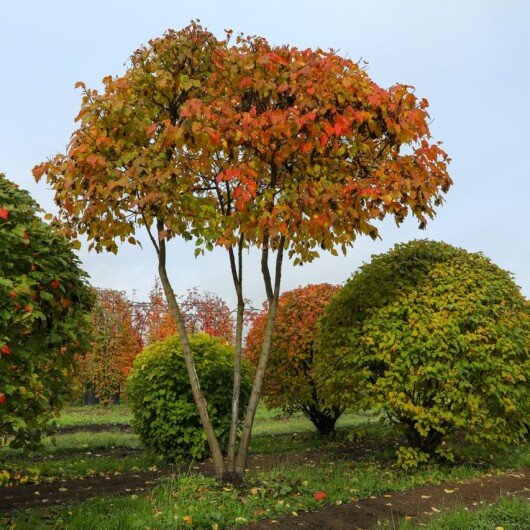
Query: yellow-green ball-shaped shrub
{"points": [[164, 413], [439, 339]]}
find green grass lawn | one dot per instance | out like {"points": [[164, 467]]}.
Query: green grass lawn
{"points": [[94, 415], [198, 502], [267, 494], [508, 513]]}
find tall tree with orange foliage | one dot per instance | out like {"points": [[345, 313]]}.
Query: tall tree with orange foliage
{"points": [[244, 146], [115, 344], [205, 312]]}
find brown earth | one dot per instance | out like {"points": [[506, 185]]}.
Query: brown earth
{"points": [[417, 504], [46, 494]]}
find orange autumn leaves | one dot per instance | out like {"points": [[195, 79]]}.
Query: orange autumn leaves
{"points": [[243, 138], [202, 312], [290, 382], [121, 328], [115, 343]]}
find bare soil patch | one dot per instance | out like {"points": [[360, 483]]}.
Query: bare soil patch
{"points": [[46, 494], [417, 504]]}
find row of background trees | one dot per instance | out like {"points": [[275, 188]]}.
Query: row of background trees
{"points": [[122, 327]]}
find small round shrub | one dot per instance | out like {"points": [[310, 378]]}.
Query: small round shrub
{"points": [[159, 391], [439, 339], [289, 382]]}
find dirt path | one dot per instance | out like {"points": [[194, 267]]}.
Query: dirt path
{"points": [[46, 494], [417, 504]]}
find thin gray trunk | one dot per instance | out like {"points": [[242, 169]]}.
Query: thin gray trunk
{"points": [[237, 276], [198, 396], [273, 296]]}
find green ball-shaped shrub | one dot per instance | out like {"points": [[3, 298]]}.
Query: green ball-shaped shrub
{"points": [[436, 337], [159, 391]]}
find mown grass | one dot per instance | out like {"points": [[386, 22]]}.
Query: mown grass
{"points": [[75, 466], [94, 415], [81, 442], [192, 501], [199, 502], [508, 513]]}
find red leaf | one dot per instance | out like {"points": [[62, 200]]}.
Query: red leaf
{"points": [[54, 284], [5, 350], [4, 214], [306, 147], [320, 495], [151, 129], [3, 398]]}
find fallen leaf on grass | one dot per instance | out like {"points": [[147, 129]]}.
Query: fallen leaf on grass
{"points": [[425, 496], [188, 519], [320, 495], [449, 491], [435, 510]]}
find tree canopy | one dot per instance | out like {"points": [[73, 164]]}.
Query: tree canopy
{"points": [[436, 337], [290, 381]]}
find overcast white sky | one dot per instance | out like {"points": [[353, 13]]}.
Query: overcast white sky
{"points": [[470, 58]]}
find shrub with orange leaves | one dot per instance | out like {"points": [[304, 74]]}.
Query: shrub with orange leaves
{"points": [[289, 382]]}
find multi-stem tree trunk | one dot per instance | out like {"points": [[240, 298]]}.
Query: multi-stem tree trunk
{"points": [[198, 395], [273, 294], [237, 276]]}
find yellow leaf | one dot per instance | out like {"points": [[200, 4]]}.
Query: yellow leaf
{"points": [[188, 519]]}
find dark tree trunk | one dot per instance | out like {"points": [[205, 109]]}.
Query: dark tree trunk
{"points": [[90, 397], [323, 419], [428, 444]]}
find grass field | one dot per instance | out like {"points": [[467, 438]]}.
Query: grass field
{"points": [[184, 500], [507, 513]]}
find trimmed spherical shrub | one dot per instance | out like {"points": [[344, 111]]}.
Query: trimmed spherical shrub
{"points": [[436, 337], [289, 382], [159, 391]]}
